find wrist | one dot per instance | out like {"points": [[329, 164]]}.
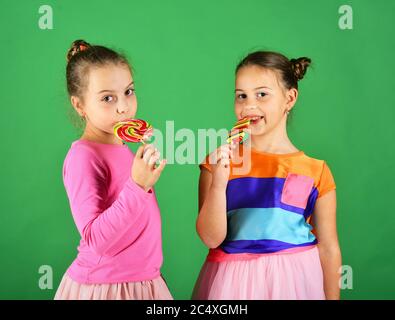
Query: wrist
{"points": [[219, 187], [145, 188], [142, 186]]}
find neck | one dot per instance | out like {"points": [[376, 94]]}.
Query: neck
{"points": [[97, 135], [274, 141]]}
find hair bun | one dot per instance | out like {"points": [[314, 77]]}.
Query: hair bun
{"points": [[299, 67], [76, 47]]}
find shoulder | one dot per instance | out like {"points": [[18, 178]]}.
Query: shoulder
{"points": [[324, 177], [313, 167], [80, 151], [317, 165], [83, 157]]}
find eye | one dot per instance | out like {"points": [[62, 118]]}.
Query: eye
{"points": [[129, 92], [261, 94], [241, 96], [108, 98]]}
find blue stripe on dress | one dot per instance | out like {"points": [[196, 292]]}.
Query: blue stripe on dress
{"points": [[250, 192], [263, 224]]}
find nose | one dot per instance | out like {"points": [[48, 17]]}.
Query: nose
{"points": [[250, 107], [122, 107]]}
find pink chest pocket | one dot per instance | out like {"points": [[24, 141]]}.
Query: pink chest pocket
{"points": [[296, 190]]}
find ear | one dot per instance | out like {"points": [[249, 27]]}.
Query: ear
{"points": [[291, 96], [77, 105]]}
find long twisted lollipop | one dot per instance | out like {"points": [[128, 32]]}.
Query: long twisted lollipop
{"points": [[236, 134]]}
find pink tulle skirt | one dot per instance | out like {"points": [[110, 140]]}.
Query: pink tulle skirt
{"points": [[288, 276], [155, 289]]}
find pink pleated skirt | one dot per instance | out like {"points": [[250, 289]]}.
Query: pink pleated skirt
{"points": [[155, 289], [288, 276]]}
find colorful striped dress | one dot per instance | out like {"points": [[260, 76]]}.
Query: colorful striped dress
{"points": [[270, 248]]}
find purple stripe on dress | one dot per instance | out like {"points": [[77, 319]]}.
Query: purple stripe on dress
{"points": [[249, 192], [311, 203], [260, 246]]}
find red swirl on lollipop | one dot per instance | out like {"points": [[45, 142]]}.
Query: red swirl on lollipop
{"points": [[237, 134], [133, 130]]}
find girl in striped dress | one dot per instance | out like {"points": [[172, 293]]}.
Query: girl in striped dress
{"points": [[268, 220]]}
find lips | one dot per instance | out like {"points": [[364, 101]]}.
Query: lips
{"points": [[124, 120], [254, 118]]}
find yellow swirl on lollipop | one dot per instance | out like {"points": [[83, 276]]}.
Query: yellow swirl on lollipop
{"points": [[237, 135], [133, 130]]}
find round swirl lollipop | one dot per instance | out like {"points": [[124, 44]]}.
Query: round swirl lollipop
{"points": [[237, 134], [133, 130]]}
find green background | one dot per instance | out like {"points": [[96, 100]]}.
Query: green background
{"points": [[184, 54]]}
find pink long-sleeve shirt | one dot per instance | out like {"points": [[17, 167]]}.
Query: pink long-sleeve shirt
{"points": [[119, 223]]}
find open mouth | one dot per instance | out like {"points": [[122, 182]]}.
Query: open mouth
{"points": [[255, 119]]}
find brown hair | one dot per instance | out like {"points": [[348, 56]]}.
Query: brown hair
{"points": [[80, 57], [290, 71]]}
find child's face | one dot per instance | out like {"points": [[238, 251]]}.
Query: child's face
{"points": [[260, 96], [109, 97]]}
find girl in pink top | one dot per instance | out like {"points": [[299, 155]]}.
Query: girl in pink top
{"points": [[110, 189]]}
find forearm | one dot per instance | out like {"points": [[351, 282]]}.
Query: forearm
{"points": [[211, 223], [331, 264], [105, 234]]}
